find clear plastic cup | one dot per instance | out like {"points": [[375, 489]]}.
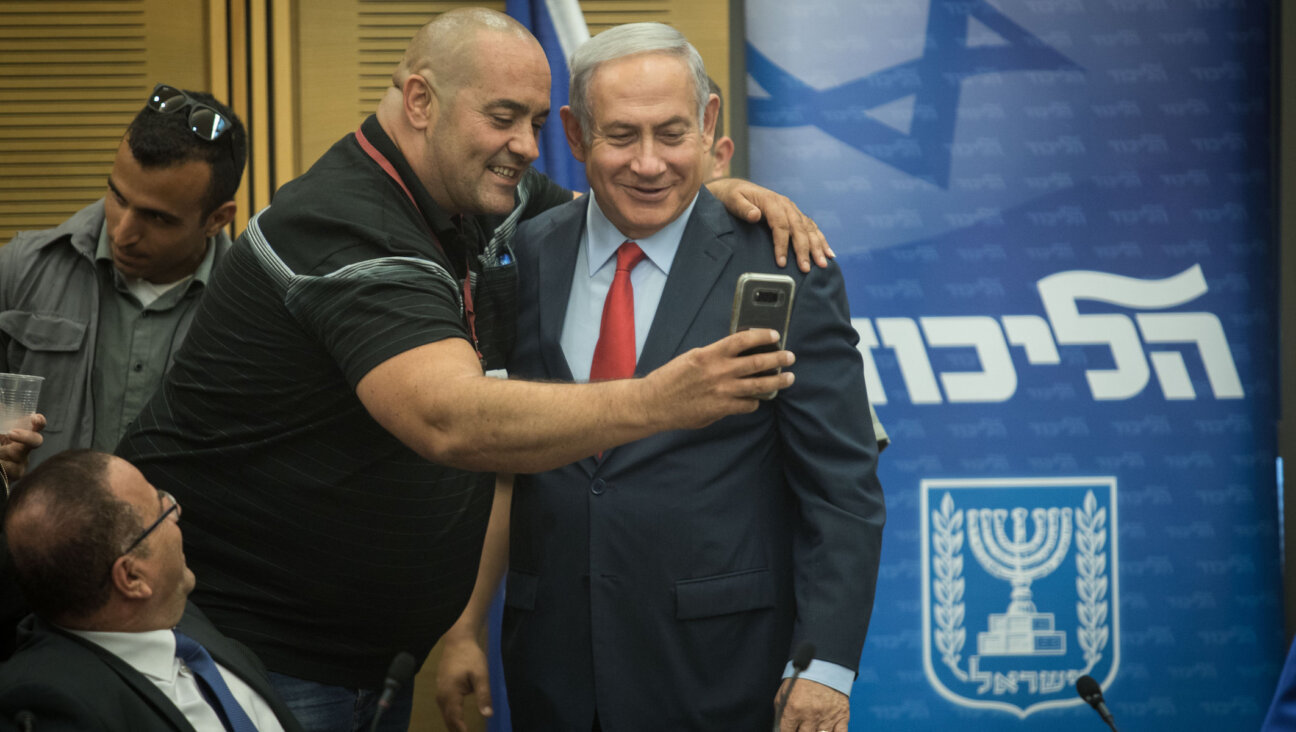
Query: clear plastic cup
{"points": [[18, 396]]}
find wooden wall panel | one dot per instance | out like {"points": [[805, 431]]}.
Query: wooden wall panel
{"points": [[300, 74]]}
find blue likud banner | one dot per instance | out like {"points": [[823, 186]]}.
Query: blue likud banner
{"points": [[1055, 221]]}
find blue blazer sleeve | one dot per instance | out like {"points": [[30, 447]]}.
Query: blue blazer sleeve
{"points": [[830, 464]]}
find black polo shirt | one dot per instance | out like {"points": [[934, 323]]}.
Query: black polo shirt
{"points": [[318, 538]]}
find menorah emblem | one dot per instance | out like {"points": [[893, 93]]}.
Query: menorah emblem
{"points": [[1022, 631]]}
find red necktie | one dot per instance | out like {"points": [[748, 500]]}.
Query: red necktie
{"points": [[614, 356]]}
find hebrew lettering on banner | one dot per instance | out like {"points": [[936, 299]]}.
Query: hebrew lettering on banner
{"points": [[995, 379], [1054, 218]]}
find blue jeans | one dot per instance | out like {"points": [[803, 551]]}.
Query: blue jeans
{"points": [[323, 708]]}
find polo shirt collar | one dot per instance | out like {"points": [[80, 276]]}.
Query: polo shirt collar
{"points": [[442, 224]]}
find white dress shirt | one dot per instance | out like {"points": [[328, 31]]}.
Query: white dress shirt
{"points": [[595, 266], [152, 653]]}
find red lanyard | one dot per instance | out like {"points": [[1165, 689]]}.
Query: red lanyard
{"points": [[390, 170]]}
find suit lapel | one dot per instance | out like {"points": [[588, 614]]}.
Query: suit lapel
{"points": [[136, 681], [703, 253], [702, 256], [557, 266], [561, 245], [223, 652]]}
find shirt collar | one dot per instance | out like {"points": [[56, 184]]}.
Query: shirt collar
{"points": [[445, 226], [605, 238], [103, 253], [151, 652]]}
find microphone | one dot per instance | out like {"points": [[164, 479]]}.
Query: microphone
{"points": [[800, 662], [1089, 690], [25, 720], [399, 674]]}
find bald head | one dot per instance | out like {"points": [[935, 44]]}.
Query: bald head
{"points": [[444, 51], [465, 108]]}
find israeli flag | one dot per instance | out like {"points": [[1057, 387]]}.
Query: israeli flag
{"points": [[560, 27]]}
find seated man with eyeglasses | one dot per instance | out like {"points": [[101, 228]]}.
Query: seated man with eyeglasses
{"points": [[99, 304], [114, 643]]}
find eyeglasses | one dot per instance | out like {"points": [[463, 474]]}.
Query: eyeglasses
{"points": [[163, 496], [205, 122]]}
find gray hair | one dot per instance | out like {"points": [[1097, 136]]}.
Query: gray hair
{"points": [[628, 40]]}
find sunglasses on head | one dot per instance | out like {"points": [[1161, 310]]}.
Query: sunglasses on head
{"points": [[204, 121]]}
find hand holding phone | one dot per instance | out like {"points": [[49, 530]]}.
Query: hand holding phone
{"points": [[763, 301]]}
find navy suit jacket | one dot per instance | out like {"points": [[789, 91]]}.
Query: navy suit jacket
{"points": [[1282, 710], [69, 683], [666, 586]]}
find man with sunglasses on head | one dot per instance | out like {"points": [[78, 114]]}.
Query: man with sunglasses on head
{"points": [[114, 643], [99, 304]]}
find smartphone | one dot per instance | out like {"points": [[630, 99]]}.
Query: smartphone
{"points": [[763, 301]]}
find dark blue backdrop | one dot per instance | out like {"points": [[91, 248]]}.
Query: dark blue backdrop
{"points": [[1055, 221]]}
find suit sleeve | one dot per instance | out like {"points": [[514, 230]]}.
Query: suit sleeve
{"points": [[831, 467], [52, 709]]}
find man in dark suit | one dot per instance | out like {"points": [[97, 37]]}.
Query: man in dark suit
{"points": [[665, 583], [114, 643]]}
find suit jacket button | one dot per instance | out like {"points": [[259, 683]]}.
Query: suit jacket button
{"points": [[598, 486]]}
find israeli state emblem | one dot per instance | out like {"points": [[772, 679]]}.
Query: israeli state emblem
{"points": [[1020, 596]]}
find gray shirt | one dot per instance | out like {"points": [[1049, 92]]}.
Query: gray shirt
{"points": [[135, 342], [50, 285]]}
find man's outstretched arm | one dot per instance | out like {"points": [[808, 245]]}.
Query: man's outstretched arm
{"points": [[435, 399]]}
